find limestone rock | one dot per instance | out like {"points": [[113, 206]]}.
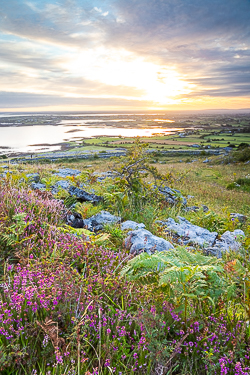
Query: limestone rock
{"points": [[196, 208], [197, 235], [67, 172], [63, 184], [96, 222], [132, 225], [205, 208], [194, 234], [103, 175], [75, 220], [33, 177], [172, 196], [38, 186], [241, 218], [192, 208], [142, 240], [83, 195], [229, 240]]}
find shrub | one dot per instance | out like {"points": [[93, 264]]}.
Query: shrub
{"points": [[242, 155], [131, 187]]}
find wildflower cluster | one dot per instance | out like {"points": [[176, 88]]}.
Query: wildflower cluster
{"points": [[65, 309]]}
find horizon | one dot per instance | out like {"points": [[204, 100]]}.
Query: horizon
{"points": [[124, 56], [221, 111]]}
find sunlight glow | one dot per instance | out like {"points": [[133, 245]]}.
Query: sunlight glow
{"points": [[122, 68]]}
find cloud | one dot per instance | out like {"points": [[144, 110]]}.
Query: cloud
{"points": [[201, 38], [27, 100], [207, 43], [50, 22]]}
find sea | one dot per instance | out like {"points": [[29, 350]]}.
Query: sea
{"points": [[33, 133]]}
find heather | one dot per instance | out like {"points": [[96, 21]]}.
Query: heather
{"points": [[78, 303]]}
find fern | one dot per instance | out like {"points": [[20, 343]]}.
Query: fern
{"points": [[185, 275]]}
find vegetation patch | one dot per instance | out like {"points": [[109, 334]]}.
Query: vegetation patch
{"points": [[77, 302]]}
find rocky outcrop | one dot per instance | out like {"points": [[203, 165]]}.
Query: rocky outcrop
{"points": [[38, 186], [195, 234], [213, 244], [132, 225], [172, 196], [84, 196], [62, 184], [75, 220], [33, 177], [96, 222], [228, 241], [241, 218], [142, 240], [103, 175], [196, 208], [67, 172]]}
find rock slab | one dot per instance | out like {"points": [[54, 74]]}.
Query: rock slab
{"points": [[210, 241], [132, 225], [173, 196], [38, 186], [67, 172], [83, 195], [197, 235], [33, 177], [241, 218], [142, 240], [75, 220], [96, 222]]}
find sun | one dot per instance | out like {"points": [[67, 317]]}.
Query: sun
{"points": [[121, 68]]}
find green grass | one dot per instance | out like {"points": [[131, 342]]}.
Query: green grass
{"points": [[221, 141]]}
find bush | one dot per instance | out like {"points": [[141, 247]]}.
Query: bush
{"points": [[132, 188], [242, 155], [243, 145]]}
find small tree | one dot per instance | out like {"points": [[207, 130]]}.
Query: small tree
{"points": [[134, 174]]}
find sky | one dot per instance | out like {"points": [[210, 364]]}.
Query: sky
{"points": [[115, 55]]}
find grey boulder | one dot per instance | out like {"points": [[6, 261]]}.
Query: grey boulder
{"points": [[96, 222], [229, 240], [196, 208], [142, 240], [33, 177], [64, 184], [193, 234], [205, 208], [75, 220], [67, 172], [132, 225], [172, 196], [38, 186], [196, 235], [192, 208], [83, 195], [103, 175], [241, 218]]}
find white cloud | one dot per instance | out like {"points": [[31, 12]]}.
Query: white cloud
{"points": [[99, 10]]}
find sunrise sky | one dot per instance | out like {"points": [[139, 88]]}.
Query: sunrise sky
{"points": [[124, 55]]}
